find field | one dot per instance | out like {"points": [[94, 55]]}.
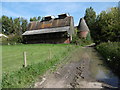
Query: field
{"points": [[40, 57], [12, 55]]}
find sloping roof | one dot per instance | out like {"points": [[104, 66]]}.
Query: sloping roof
{"points": [[48, 30], [82, 25], [53, 23]]}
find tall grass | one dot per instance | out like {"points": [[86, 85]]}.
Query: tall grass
{"points": [[111, 53], [38, 63]]}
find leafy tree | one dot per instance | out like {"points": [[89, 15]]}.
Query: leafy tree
{"points": [[7, 24], [107, 26], [90, 16], [17, 26], [39, 18], [24, 25], [35, 18]]}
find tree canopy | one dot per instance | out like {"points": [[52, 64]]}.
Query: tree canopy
{"points": [[35, 18], [105, 26], [90, 17], [13, 26]]}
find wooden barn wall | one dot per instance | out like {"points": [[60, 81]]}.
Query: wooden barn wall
{"points": [[47, 38]]}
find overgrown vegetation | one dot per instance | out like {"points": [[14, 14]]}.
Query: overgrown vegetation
{"points": [[105, 26], [81, 41], [105, 31], [38, 60], [12, 40], [111, 52]]}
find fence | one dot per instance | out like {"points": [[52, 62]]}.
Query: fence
{"points": [[26, 57]]}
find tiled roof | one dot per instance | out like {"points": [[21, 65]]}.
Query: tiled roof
{"points": [[82, 25]]}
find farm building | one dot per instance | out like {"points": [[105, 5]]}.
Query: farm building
{"points": [[83, 29], [50, 30]]}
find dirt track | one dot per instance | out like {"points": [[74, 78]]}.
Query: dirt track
{"points": [[73, 74]]}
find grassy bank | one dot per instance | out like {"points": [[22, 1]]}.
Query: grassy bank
{"points": [[111, 53], [40, 57]]}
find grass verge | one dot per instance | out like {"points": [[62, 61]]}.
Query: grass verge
{"points": [[23, 77]]}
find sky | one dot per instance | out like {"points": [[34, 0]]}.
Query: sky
{"points": [[31, 9]]}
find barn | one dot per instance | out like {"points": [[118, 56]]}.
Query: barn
{"points": [[50, 30], [83, 29]]}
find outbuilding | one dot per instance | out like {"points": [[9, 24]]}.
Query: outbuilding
{"points": [[83, 29], [50, 30]]}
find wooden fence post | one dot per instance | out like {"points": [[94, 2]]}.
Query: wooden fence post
{"points": [[25, 60], [49, 53]]}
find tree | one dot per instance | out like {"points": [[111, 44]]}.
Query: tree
{"points": [[35, 18], [39, 18], [90, 17], [107, 26], [7, 24], [17, 27], [24, 24]]}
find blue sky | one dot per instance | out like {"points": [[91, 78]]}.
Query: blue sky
{"points": [[31, 9]]}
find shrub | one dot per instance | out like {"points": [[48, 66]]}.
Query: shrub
{"points": [[81, 41], [111, 52], [12, 39]]}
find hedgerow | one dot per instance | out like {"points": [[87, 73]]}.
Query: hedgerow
{"points": [[111, 52]]}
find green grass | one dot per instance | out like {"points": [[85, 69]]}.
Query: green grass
{"points": [[14, 75], [12, 55]]}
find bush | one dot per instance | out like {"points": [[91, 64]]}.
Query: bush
{"points": [[75, 40], [12, 39], [111, 52], [81, 41]]}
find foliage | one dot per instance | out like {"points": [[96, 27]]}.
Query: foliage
{"points": [[111, 52], [25, 76], [35, 18], [75, 39], [106, 27], [88, 36], [81, 41], [13, 39], [13, 26], [90, 16], [7, 25]]}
